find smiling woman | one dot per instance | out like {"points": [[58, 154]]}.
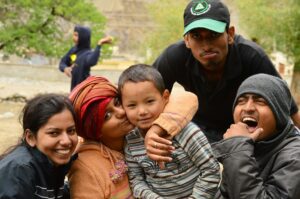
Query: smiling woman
{"points": [[36, 167]]}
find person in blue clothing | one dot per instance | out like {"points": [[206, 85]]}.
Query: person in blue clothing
{"points": [[37, 166], [78, 61]]}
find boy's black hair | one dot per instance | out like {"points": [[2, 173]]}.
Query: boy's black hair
{"points": [[141, 73]]}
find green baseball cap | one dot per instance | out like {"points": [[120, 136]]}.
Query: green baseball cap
{"points": [[209, 14]]}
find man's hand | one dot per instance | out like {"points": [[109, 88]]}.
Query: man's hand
{"points": [[241, 129], [158, 145]]}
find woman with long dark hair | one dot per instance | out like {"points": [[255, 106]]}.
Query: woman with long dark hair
{"points": [[37, 165]]}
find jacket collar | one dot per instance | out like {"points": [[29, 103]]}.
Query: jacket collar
{"points": [[47, 164]]}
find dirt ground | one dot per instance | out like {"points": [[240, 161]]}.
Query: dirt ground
{"points": [[18, 83], [10, 128]]}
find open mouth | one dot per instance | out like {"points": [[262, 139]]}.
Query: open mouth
{"points": [[63, 151], [252, 123]]}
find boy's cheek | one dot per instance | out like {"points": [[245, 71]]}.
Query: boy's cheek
{"points": [[130, 116]]}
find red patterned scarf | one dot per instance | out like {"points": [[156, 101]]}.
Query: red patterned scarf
{"points": [[90, 99]]}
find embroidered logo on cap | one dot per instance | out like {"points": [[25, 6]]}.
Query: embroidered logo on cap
{"points": [[200, 8]]}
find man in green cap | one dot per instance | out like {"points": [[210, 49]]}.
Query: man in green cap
{"points": [[212, 62]]}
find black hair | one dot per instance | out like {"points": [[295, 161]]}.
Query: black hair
{"points": [[36, 113], [140, 73]]}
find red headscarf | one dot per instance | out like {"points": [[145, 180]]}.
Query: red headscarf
{"points": [[90, 99]]}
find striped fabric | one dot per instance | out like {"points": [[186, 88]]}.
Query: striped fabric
{"points": [[46, 193], [193, 172]]}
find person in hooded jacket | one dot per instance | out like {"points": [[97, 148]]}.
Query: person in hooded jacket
{"points": [[80, 58], [260, 152]]}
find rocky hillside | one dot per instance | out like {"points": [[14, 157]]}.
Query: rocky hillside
{"points": [[127, 20]]}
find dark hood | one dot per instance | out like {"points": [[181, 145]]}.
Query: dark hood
{"points": [[84, 37], [275, 91]]}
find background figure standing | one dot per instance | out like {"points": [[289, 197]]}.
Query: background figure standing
{"points": [[80, 58]]}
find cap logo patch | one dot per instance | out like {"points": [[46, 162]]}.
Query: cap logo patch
{"points": [[200, 8]]}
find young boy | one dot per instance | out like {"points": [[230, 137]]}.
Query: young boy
{"points": [[261, 151], [194, 172]]}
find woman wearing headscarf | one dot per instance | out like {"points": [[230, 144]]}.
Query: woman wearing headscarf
{"points": [[100, 170]]}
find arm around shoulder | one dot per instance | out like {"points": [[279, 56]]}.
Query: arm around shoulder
{"points": [[180, 109]]}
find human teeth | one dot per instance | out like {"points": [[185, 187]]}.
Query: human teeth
{"points": [[248, 119], [63, 151]]}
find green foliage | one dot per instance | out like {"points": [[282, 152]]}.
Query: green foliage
{"points": [[43, 26], [168, 18], [274, 23]]}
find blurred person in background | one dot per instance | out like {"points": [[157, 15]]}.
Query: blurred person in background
{"points": [[78, 61]]}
